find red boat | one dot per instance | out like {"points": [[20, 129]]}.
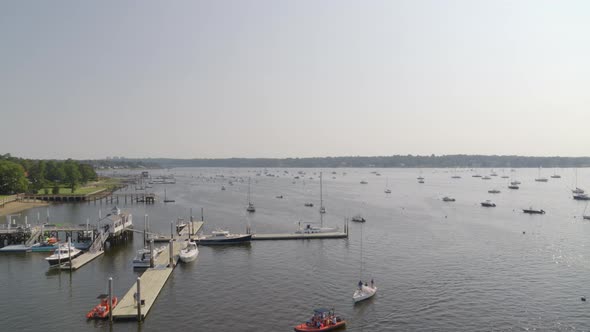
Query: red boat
{"points": [[322, 320], [103, 308]]}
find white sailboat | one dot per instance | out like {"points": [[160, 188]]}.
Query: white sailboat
{"points": [[322, 208], [250, 207], [584, 216], [539, 178], [387, 190], [363, 291], [577, 190], [189, 253]]}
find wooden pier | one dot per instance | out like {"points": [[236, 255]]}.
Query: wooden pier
{"points": [[298, 236], [182, 234], [153, 280], [81, 260]]}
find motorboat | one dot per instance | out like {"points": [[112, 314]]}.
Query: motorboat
{"points": [[582, 197], [101, 310], [16, 248], [420, 178], [364, 291], [308, 204], [476, 176], [279, 196], [364, 182], [224, 237], [358, 218], [556, 176], [189, 253], [448, 199], [577, 191], [143, 257], [513, 186], [541, 179], [515, 182], [62, 254], [388, 191], [456, 177], [310, 228], [222, 187], [421, 181], [486, 178], [44, 247], [533, 211], [488, 203], [322, 320], [494, 191]]}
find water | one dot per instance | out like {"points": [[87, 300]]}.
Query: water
{"points": [[439, 266]]}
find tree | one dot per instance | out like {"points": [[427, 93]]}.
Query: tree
{"points": [[87, 172], [12, 178], [72, 174], [37, 175]]}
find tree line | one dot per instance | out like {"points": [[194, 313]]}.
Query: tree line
{"points": [[18, 175]]}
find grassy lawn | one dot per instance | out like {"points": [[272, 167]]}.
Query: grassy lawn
{"points": [[3, 196], [103, 183]]}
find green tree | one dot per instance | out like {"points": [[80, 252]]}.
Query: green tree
{"points": [[87, 172], [37, 175], [12, 178], [72, 174]]}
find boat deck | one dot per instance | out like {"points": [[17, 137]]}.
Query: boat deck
{"points": [[82, 260], [297, 236], [152, 282]]}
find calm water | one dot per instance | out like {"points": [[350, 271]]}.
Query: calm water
{"points": [[439, 266]]}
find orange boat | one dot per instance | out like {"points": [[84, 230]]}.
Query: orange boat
{"points": [[103, 308], [322, 320]]}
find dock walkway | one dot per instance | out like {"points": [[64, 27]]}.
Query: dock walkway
{"points": [[152, 281]]}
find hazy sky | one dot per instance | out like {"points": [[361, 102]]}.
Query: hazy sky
{"points": [[205, 79]]}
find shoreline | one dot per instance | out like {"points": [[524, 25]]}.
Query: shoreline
{"points": [[19, 206]]}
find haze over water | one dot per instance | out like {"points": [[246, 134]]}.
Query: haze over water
{"points": [[439, 266]]}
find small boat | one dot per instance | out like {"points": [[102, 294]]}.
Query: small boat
{"points": [[541, 179], [44, 247], [189, 253], [533, 211], [556, 176], [250, 207], [494, 191], [388, 191], [224, 237], [142, 260], [504, 176], [308, 204], [486, 178], [364, 292], [222, 187], [448, 199], [476, 176], [577, 191], [358, 218], [311, 228], [488, 203], [456, 177], [62, 254], [515, 182], [102, 309], [421, 181], [322, 320], [279, 196], [513, 186], [582, 197], [364, 182]]}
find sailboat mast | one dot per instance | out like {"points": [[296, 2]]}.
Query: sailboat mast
{"points": [[249, 190], [361, 268], [321, 193]]}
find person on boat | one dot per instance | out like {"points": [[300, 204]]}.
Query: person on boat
{"points": [[360, 285], [372, 283], [366, 284]]}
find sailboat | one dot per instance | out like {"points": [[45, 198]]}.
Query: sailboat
{"points": [[250, 207], [166, 200], [364, 291], [539, 178], [555, 175], [577, 190], [584, 216], [322, 208], [387, 190]]}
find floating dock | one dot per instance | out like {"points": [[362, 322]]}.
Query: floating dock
{"points": [[299, 236], [152, 281], [183, 234], [81, 260]]}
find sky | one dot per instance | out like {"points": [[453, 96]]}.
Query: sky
{"points": [[218, 79]]}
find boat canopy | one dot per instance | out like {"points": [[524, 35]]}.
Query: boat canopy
{"points": [[321, 310]]}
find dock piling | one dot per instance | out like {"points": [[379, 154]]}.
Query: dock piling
{"points": [[171, 253], [111, 299], [152, 253], [138, 299]]}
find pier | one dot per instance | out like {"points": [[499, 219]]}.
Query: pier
{"points": [[299, 236], [152, 280]]}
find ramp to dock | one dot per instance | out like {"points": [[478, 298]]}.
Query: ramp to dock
{"points": [[152, 282], [298, 236], [95, 251]]}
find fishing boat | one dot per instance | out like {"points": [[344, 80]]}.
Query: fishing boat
{"points": [[101, 310], [533, 211], [224, 237], [62, 254], [488, 203], [364, 291], [322, 320], [448, 199], [358, 218], [143, 258], [250, 207], [189, 253]]}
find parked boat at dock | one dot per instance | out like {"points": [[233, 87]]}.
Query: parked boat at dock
{"points": [[101, 310], [15, 248], [143, 257], [62, 254], [224, 237], [189, 253]]}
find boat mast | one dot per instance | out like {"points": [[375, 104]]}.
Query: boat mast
{"points": [[249, 191], [361, 268], [321, 195]]}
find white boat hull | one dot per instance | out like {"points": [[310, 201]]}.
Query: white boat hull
{"points": [[364, 293], [188, 254]]}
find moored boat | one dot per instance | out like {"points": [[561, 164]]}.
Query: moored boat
{"points": [[189, 253], [311, 228], [358, 218], [533, 211], [322, 320], [101, 310], [582, 197], [488, 203], [62, 254], [143, 258], [224, 237]]}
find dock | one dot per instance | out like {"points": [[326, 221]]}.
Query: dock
{"points": [[81, 260], [152, 281], [182, 234], [299, 236]]}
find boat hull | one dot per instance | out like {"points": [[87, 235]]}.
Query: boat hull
{"points": [[534, 211], [305, 328], [16, 248], [233, 240], [64, 259], [366, 293]]}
